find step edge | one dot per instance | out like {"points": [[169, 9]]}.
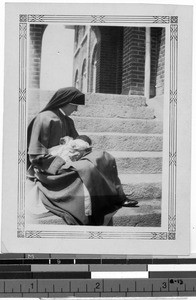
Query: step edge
{"points": [[122, 134], [140, 178], [119, 119], [116, 95], [136, 154]]}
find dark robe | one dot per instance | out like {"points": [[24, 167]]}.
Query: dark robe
{"points": [[62, 188]]}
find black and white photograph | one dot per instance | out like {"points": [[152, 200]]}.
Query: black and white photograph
{"points": [[97, 92], [100, 127]]}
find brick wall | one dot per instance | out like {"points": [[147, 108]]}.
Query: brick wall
{"points": [[133, 61], [157, 61], [121, 59], [109, 42], [109, 72], [36, 34]]}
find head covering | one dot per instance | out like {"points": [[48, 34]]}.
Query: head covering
{"points": [[65, 96], [62, 97]]}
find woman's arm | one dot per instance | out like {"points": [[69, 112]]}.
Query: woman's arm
{"points": [[47, 163], [38, 147]]}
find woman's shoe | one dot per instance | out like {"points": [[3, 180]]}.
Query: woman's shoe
{"points": [[129, 203]]}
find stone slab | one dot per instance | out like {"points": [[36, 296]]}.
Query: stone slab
{"points": [[126, 142], [138, 162], [146, 214], [142, 186], [143, 190], [37, 99], [138, 165], [117, 111], [118, 125], [113, 99]]}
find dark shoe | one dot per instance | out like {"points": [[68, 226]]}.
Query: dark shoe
{"points": [[129, 203]]}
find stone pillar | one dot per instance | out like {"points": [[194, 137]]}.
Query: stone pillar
{"points": [[88, 58], [157, 61], [147, 65], [161, 64]]}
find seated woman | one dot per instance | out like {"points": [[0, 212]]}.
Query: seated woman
{"points": [[88, 192]]}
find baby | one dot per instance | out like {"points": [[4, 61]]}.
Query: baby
{"points": [[72, 149]]}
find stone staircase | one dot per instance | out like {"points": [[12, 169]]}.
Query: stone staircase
{"points": [[127, 128]]}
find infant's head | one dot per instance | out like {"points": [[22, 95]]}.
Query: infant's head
{"points": [[84, 138], [81, 143]]}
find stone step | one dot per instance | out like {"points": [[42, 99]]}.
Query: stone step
{"points": [[138, 162], [118, 125], [146, 214], [112, 99], [126, 141], [114, 111], [37, 99], [103, 105], [142, 186]]}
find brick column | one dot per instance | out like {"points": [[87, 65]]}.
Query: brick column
{"points": [[36, 35], [133, 61]]}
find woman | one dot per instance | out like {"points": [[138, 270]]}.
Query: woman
{"points": [[88, 191]]}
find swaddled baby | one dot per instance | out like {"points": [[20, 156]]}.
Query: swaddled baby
{"points": [[72, 149]]}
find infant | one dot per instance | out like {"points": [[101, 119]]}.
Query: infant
{"points": [[72, 149]]}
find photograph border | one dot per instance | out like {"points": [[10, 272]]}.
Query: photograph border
{"points": [[168, 21]]}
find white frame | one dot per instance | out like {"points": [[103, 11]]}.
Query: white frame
{"points": [[173, 236]]}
